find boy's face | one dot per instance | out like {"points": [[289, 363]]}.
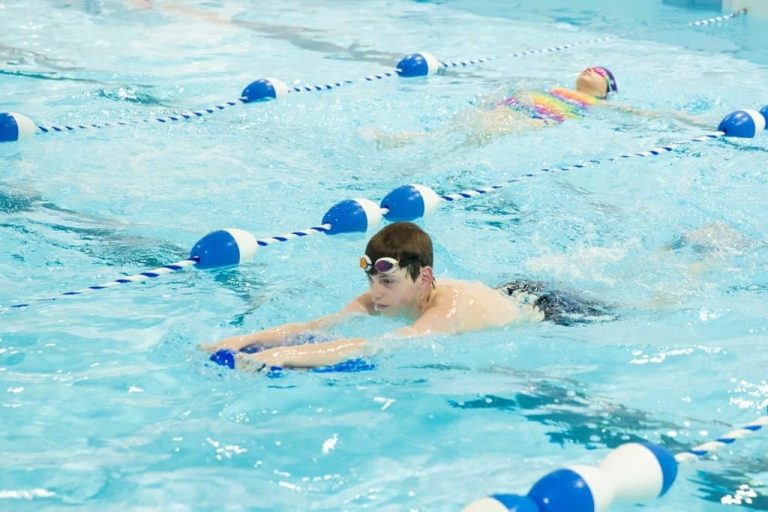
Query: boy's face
{"points": [[395, 294]]}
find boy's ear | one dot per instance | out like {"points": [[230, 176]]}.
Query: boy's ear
{"points": [[427, 277]]}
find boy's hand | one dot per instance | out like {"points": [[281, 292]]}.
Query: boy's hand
{"points": [[252, 363], [301, 356], [209, 347], [234, 343], [261, 361]]}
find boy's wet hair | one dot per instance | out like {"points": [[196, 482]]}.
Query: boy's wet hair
{"points": [[406, 242]]}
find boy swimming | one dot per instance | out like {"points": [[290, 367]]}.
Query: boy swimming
{"points": [[398, 263]]}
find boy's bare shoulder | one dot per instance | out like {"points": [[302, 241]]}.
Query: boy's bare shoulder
{"points": [[459, 291], [465, 286]]}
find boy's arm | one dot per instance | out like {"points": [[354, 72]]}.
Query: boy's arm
{"points": [[439, 319], [279, 334], [302, 356]]}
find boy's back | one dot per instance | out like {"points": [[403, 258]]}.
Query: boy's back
{"points": [[458, 306]]}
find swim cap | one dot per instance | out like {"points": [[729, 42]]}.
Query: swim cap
{"points": [[609, 78]]}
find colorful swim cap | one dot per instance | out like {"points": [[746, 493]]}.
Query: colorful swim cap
{"points": [[609, 79]]}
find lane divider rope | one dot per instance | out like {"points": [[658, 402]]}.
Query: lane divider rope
{"points": [[15, 126], [408, 202]]}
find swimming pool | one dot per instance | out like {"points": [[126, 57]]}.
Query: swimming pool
{"points": [[106, 402]]}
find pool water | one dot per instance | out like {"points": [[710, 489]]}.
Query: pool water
{"points": [[107, 403]]}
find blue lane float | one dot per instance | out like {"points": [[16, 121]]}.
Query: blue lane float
{"points": [[223, 248], [409, 202], [15, 126], [743, 124], [417, 64], [630, 473], [764, 112], [352, 216], [264, 89]]}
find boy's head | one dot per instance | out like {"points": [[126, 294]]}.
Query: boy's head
{"points": [[597, 81], [402, 243]]}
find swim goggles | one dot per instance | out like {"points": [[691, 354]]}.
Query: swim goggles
{"points": [[610, 81], [384, 265]]}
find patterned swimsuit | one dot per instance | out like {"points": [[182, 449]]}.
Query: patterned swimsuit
{"points": [[553, 106]]}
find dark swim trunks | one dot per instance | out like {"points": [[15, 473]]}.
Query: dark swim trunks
{"points": [[559, 306]]}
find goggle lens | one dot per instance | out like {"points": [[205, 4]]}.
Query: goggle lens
{"points": [[382, 266], [385, 265], [610, 86]]}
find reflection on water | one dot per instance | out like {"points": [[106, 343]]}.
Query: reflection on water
{"points": [[733, 487], [31, 216], [577, 417]]}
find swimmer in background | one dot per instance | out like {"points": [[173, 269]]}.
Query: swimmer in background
{"points": [[398, 264], [538, 109], [528, 110], [713, 244]]}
